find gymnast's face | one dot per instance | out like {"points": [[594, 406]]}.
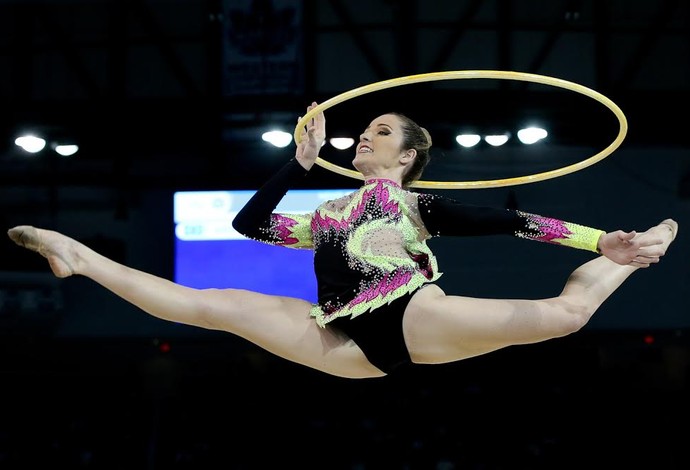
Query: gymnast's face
{"points": [[380, 147]]}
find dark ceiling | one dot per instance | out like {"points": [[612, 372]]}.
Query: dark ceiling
{"points": [[174, 93]]}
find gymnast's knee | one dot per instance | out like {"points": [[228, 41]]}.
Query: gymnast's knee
{"points": [[574, 315]]}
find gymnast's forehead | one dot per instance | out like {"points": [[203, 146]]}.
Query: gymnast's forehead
{"points": [[388, 120]]}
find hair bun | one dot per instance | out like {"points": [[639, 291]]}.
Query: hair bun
{"points": [[428, 137]]}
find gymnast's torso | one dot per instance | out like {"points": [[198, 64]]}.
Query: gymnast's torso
{"points": [[370, 246]]}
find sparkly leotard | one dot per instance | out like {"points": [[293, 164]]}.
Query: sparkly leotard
{"points": [[370, 246]]}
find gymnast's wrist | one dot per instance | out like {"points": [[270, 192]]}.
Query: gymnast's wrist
{"points": [[306, 163]]}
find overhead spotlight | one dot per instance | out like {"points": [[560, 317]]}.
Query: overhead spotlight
{"points": [[496, 140], [531, 135], [277, 138], [30, 143], [342, 143], [66, 150], [468, 140]]}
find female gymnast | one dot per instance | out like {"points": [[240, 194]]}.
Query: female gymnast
{"points": [[378, 304]]}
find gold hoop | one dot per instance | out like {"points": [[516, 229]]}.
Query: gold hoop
{"points": [[471, 74]]}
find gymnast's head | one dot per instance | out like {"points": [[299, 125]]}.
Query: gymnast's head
{"points": [[393, 146]]}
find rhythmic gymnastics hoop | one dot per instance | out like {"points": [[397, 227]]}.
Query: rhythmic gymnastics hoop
{"points": [[473, 74]]}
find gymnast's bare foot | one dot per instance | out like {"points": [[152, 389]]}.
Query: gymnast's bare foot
{"points": [[58, 249], [662, 234], [673, 226]]}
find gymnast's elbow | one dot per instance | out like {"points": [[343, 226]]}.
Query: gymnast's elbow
{"points": [[244, 225]]}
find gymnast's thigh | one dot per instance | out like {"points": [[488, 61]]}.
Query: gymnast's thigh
{"points": [[442, 328], [283, 326]]}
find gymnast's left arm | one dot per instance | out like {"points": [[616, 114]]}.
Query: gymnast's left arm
{"points": [[445, 216]]}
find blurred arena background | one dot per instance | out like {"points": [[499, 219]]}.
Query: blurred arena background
{"points": [[173, 95]]}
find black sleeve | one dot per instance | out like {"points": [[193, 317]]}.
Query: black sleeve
{"points": [[256, 219], [445, 216]]}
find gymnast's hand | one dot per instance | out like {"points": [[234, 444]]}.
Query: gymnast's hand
{"points": [[630, 248], [311, 139]]}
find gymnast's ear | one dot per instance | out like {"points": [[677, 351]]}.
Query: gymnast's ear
{"points": [[408, 156]]}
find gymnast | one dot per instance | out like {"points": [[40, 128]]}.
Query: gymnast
{"points": [[379, 306]]}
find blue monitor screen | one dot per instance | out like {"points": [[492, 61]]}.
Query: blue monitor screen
{"points": [[209, 253]]}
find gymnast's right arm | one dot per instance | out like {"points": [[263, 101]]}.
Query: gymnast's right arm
{"points": [[256, 220]]}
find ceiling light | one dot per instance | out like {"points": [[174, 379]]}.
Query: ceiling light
{"points": [[66, 150], [531, 135], [278, 138], [30, 143], [342, 143], [496, 140], [467, 140]]}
